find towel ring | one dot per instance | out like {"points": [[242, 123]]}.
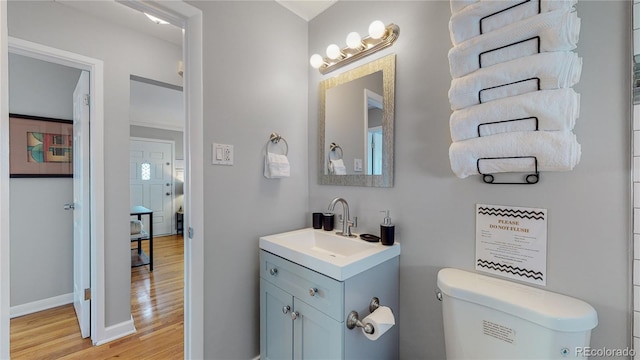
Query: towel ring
{"points": [[332, 149], [275, 138]]}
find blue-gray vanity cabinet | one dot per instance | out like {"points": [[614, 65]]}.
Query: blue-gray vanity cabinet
{"points": [[303, 313]]}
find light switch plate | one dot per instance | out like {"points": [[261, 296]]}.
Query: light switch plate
{"points": [[357, 165], [222, 154]]}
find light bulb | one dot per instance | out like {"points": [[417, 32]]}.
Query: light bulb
{"points": [[377, 29], [354, 41], [333, 51], [316, 61]]}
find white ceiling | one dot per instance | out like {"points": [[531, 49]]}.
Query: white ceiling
{"points": [[307, 9]]}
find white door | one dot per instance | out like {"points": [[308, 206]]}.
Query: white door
{"points": [[152, 181], [81, 206]]}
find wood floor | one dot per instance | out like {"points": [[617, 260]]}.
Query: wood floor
{"points": [[156, 304]]}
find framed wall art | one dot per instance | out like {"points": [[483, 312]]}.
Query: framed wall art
{"points": [[40, 147]]}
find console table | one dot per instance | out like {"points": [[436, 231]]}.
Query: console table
{"points": [[138, 256]]}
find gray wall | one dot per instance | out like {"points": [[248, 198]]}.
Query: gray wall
{"points": [[255, 83], [589, 208], [41, 256], [124, 52]]}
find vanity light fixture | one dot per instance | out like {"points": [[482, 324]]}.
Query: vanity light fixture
{"points": [[380, 37]]}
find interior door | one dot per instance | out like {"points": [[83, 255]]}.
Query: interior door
{"points": [[152, 181], [81, 206]]}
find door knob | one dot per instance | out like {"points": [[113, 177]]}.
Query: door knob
{"points": [[168, 194], [313, 291], [294, 315], [285, 309], [69, 206]]}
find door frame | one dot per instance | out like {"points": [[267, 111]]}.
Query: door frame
{"points": [[172, 226], [191, 20], [95, 68]]}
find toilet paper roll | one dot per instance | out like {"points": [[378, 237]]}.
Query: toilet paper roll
{"points": [[381, 319]]}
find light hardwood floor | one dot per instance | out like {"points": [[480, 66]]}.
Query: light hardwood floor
{"points": [[157, 300]]}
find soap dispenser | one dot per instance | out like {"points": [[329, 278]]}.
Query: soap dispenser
{"points": [[387, 230]]}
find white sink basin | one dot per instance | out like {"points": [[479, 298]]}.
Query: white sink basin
{"points": [[333, 255]]}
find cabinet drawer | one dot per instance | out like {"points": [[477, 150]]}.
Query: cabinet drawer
{"points": [[300, 282]]}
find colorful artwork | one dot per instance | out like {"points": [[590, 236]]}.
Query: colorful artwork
{"points": [[44, 148], [40, 147]]}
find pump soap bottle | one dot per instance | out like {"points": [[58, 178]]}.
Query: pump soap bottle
{"points": [[387, 230]]}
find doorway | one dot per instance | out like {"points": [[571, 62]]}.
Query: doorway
{"points": [[190, 18], [90, 234], [152, 169]]}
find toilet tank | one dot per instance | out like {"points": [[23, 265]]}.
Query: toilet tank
{"points": [[489, 318]]}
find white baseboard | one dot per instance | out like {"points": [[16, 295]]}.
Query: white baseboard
{"points": [[44, 304], [117, 331]]}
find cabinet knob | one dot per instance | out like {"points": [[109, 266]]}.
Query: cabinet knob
{"points": [[313, 291], [273, 271], [285, 309], [295, 315]]}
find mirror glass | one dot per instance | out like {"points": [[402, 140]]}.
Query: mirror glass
{"points": [[356, 126]]}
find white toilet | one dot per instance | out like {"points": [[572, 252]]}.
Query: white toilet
{"points": [[489, 318]]}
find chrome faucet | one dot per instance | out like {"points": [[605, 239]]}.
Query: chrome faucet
{"points": [[347, 223]]}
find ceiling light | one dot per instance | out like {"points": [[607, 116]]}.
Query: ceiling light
{"points": [[157, 20]]}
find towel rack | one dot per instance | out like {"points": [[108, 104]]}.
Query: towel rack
{"points": [[529, 179], [333, 147], [275, 138], [537, 38], [535, 118], [536, 79], [507, 9]]}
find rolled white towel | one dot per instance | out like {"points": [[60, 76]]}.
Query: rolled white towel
{"points": [[558, 31], [556, 70], [554, 151], [276, 166], [458, 5], [555, 110], [465, 24]]}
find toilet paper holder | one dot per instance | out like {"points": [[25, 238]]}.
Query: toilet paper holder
{"points": [[353, 318]]}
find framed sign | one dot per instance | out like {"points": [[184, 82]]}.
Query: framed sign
{"points": [[40, 147], [512, 242]]}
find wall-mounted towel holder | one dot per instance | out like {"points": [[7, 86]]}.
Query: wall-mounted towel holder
{"points": [[275, 138], [529, 179], [535, 79], [509, 45], [507, 9], [333, 148], [487, 124]]}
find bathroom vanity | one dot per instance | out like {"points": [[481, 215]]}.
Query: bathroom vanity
{"points": [[304, 311]]}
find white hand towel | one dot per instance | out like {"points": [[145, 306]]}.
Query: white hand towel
{"points": [[558, 31], [555, 110], [337, 167], [554, 150], [556, 70], [276, 166], [465, 24]]}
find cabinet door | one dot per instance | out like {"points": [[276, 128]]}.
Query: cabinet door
{"points": [[316, 335], [276, 327]]}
